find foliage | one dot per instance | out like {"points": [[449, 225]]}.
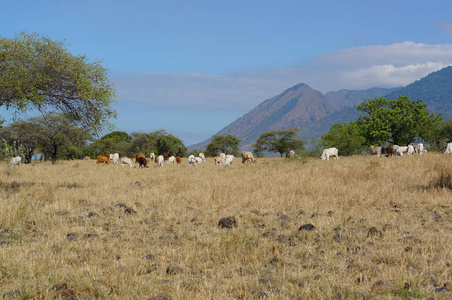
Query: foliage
{"points": [[52, 135], [347, 138], [227, 144], [38, 73], [438, 136], [114, 142], [12, 149], [399, 121], [168, 143], [280, 141]]}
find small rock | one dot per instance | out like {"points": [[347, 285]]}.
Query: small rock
{"points": [[266, 278], [92, 214], [149, 256], [173, 270], [196, 272], [284, 218], [330, 214], [160, 297], [72, 236], [307, 227], [441, 289], [59, 287], [128, 210], [227, 222], [122, 205], [374, 232]]}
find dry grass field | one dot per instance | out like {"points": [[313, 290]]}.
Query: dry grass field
{"points": [[77, 230]]}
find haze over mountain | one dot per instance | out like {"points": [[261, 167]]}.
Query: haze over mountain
{"points": [[314, 113]]}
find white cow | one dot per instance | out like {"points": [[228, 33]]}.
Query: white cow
{"points": [[410, 150], [171, 160], [127, 161], [329, 152], [448, 149], [160, 160], [152, 157], [201, 155], [420, 148], [400, 150], [228, 160], [192, 160], [219, 161], [15, 161], [114, 158], [199, 160], [375, 150], [222, 155]]}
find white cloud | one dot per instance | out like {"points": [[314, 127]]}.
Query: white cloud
{"points": [[446, 26], [356, 68]]}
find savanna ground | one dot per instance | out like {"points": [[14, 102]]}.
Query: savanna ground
{"points": [[77, 230]]}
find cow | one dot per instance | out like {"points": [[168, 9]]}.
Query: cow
{"points": [[290, 153], [142, 162], [103, 159], [448, 148], [199, 160], [399, 150], [160, 160], [222, 155], [201, 155], [228, 160], [138, 155], [420, 150], [329, 152], [192, 160], [86, 158], [219, 161], [166, 156], [114, 158], [15, 161], [152, 157], [375, 150], [390, 151], [127, 161], [171, 160], [247, 156], [410, 150], [178, 159]]}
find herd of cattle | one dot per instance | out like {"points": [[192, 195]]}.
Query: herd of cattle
{"points": [[142, 161], [247, 156]]}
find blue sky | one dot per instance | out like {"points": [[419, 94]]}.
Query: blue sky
{"points": [[194, 67]]}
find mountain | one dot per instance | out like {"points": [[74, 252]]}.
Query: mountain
{"points": [[435, 90], [314, 113], [299, 106]]}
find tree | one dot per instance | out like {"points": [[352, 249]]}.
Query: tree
{"points": [[227, 144], [113, 142], [347, 138], [280, 141], [24, 133], [438, 136], [399, 121], [168, 143], [38, 73]]}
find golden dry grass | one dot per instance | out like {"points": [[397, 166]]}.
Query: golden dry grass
{"points": [[66, 223]]}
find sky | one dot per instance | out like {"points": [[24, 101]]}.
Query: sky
{"points": [[194, 67]]}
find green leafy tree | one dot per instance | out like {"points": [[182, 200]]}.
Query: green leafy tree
{"points": [[168, 143], [399, 121], [280, 141], [144, 143], [438, 136], [227, 144], [39, 73], [347, 138], [24, 133], [113, 142]]}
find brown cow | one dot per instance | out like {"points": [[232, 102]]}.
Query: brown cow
{"points": [[103, 159], [247, 156], [166, 155], [86, 158], [142, 161], [178, 159], [390, 151]]}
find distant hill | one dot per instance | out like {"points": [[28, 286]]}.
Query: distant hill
{"points": [[299, 106], [434, 89], [314, 113]]}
